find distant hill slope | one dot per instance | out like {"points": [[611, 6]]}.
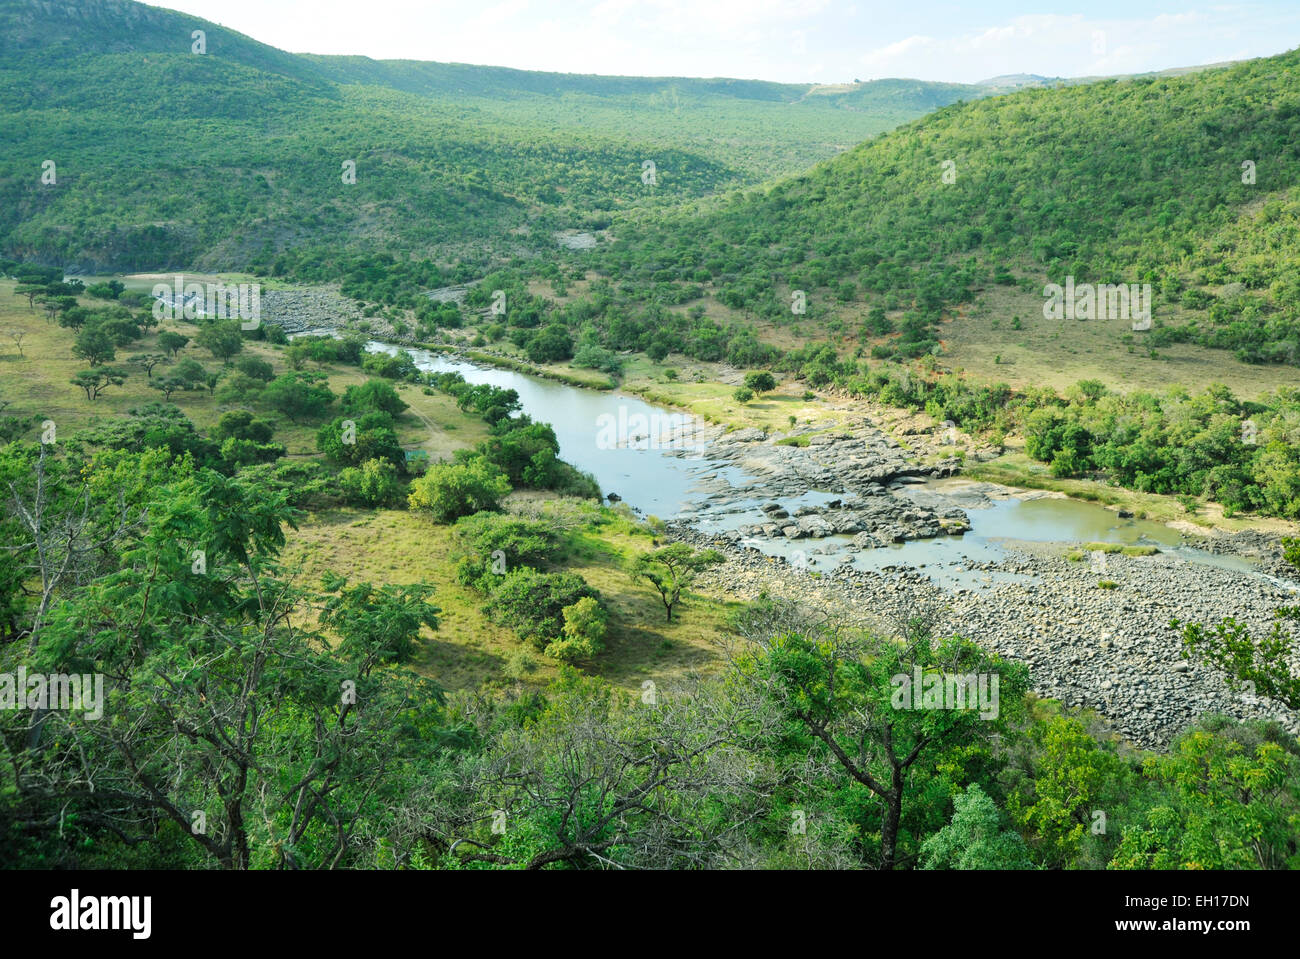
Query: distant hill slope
{"points": [[1188, 182], [234, 159]]}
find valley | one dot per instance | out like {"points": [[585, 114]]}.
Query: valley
{"points": [[643, 473]]}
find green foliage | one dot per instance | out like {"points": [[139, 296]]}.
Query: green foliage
{"points": [[350, 442], [377, 624], [1075, 789], [452, 490], [373, 396], [533, 604], [1229, 799], [1211, 444], [299, 396], [672, 569], [222, 338], [375, 483], [491, 544], [1262, 665], [585, 624], [975, 838]]}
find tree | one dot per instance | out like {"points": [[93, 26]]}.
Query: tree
{"points": [[551, 345], [452, 490], [1261, 665], [148, 361], [168, 385], [533, 604], [95, 381], [743, 394], [94, 346], [369, 437], [31, 291], [375, 483], [1070, 778], [256, 368], [377, 624], [672, 569], [1228, 802], [106, 291], [760, 381], [585, 624], [240, 424], [299, 396], [286, 739], [171, 342], [373, 395], [592, 781], [222, 338], [858, 707], [975, 838], [17, 336]]}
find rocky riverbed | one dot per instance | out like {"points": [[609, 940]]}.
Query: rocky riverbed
{"points": [[1109, 647], [1111, 650]]}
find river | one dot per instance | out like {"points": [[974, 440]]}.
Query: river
{"points": [[667, 482]]}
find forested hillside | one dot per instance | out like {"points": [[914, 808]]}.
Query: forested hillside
{"points": [[1184, 182], [234, 158]]}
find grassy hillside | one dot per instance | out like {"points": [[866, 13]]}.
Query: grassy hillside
{"points": [[382, 545]]}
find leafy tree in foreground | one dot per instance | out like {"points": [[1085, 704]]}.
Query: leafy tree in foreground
{"points": [[975, 838], [1263, 664], [1231, 800], [841, 698]]}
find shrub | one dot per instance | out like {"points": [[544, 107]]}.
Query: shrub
{"points": [[585, 624], [375, 483], [452, 490], [533, 604]]}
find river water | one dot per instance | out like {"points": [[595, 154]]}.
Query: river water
{"points": [[666, 482]]}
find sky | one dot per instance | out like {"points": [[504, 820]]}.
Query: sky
{"points": [[820, 41]]}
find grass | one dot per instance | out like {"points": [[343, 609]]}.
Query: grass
{"points": [[1117, 548], [467, 650], [1059, 353], [35, 384]]}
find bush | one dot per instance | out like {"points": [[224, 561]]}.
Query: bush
{"points": [[373, 395], [492, 544], [585, 624], [452, 490], [375, 483], [533, 604]]}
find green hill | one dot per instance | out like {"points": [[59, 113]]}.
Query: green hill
{"points": [[1138, 180], [234, 159]]}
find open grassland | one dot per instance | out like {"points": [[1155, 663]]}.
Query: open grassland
{"points": [[397, 546], [35, 383]]}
